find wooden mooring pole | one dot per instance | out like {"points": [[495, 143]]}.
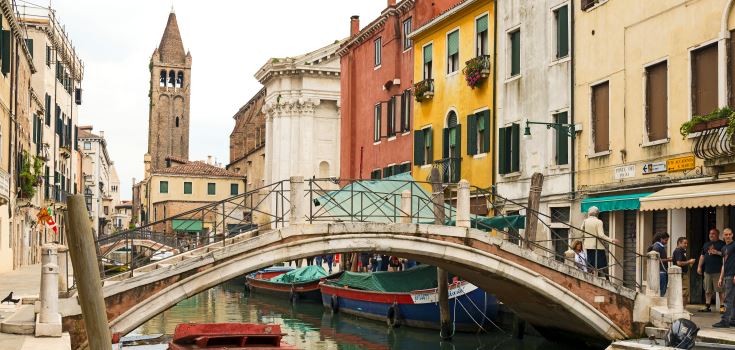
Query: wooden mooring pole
{"points": [[534, 197], [445, 330], [84, 260]]}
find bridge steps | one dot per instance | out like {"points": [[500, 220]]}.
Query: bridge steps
{"points": [[23, 321]]}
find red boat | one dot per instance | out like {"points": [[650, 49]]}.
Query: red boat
{"points": [[230, 336]]}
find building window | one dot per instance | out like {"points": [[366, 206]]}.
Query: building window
{"points": [[423, 146], [375, 174], [187, 187], [388, 171], [601, 117], [453, 52], [392, 116], [163, 187], [509, 149], [162, 79], [562, 139], [560, 214], [378, 52], [478, 133], [211, 189], [407, 43], [406, 110], [87, 146], [106, 210], [514, 38], [428, 63], [403, 168], [560, 231], [561, 24], [481, 37], [376, 122], [234, 189], [657, 101], [587, 4], [704, 80]]}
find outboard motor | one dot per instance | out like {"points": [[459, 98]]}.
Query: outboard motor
{"points": [[681, 335]]}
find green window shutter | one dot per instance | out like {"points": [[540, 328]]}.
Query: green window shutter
{"points": [[387, 171], [562, 32], [515, 44], [472, 134], [429, 134], [234, 189], [503, 151], [187, 187], [457, 133], [5, 47], [562, 140], [453, 43], [375, 175], [515, 161], [482, 24], [163, 187], [427, 53], [485, 120], [29, 45], [418, 147], [445, 142], [211, 189]]}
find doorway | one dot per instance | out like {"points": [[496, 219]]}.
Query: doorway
{"points": [[630, 238], [699, 222]]}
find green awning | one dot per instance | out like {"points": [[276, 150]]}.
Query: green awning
{"points": [[612, 203], [187, 225]]}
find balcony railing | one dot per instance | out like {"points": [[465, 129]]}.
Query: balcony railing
{"points": [[713, 144], [449, 168], [424, 90], [55, 194]]}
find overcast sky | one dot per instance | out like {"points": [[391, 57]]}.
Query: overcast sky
{"points": [[228, 39]]}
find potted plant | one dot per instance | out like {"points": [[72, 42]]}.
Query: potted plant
{"points": [[423, 90], [30, 176], [720, 117]]}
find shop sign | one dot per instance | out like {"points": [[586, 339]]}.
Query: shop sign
{"points": [[680, 164], [624, 172], [651, 168]]}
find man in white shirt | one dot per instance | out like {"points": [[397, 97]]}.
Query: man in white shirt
{"points": [[593, 235]]}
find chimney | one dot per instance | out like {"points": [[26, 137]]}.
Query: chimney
{"points": [[391, 3], [355, 24], [209, 160], [102, 134]]}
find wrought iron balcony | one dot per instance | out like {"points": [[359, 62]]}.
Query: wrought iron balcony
{"points": [[424, 90], [713, 144], [449, 168], [55, 194]]}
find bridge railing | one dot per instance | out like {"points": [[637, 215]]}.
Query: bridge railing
{"points": [[262, 208]]}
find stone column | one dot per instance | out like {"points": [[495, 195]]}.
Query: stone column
{"points": [[63, 262], [674, 291], [463, 203], [296, 189], [406, 207], [48, 323], [653, 288]]}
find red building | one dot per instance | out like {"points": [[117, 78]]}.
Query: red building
{"points": [[376, 81]]}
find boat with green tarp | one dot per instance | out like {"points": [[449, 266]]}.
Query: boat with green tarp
{"points": [[408, 298], [301, 283]]}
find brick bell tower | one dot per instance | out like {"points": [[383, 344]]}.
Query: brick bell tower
{"points": [[168, 120]]}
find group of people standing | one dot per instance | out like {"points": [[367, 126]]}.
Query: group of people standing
{"points": [[318, 260], [378, 262]]}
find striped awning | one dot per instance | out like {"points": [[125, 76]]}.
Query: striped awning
{"points": [[697, 196]]}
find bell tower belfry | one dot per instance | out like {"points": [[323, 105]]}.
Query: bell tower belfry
{"points": [[168, 120]]}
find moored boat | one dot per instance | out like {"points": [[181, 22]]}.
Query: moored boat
{"points": [[301, 283], [231, 336], [408, 298]]}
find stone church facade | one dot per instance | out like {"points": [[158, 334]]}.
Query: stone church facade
{"points": [[168, 123], [247, 142]]}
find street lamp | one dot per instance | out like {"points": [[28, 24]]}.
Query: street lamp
{"points": [[569, 129]]}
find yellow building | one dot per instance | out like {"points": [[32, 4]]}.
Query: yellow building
{"points": [[453, 121], [639, 75]]}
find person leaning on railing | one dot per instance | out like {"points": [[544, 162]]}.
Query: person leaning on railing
{"points": [[594, 238]]}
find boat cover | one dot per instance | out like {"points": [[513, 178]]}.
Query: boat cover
{"points": [[300, 275], [417, 278]]}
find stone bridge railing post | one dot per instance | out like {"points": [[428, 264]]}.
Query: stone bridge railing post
{"points": [[48, 323], [296, 188], [674, 290], [406, 207], [463, 203], [653, 288]]}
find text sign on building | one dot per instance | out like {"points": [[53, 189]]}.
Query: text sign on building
{"points": [[650, 168], [624, 172], [680, 164]]}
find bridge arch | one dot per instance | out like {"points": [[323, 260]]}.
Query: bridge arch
{"points": [[550, 295], [106, 249]]}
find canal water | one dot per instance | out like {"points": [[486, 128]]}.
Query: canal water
{"points": [[310, 326]]}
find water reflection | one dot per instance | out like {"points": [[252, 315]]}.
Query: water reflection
{"points": [[310, 326]]}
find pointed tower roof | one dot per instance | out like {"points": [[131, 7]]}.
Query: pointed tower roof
{"points": [[171, 47]]}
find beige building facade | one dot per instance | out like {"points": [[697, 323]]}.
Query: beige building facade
{"points": [[247, 142]]}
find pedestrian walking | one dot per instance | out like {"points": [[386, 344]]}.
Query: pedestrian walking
{"points": [[580, 256], [594, 238], [364, 261], [681, 259], [384, 262], [374, 261], [329, 258], [393, 263], [660, 240], [318, 259], [710, 266], [727, 280]]}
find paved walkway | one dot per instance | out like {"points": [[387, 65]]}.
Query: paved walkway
{"points": [[707, 333]]}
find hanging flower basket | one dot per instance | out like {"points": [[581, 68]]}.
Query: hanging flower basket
{"points": [[476, 70], [423, 90]]}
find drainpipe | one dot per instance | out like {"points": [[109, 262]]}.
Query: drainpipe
{"points": [[495, 106], [722, 56], [573, 172]]}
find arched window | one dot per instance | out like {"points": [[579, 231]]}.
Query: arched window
{"points": [[323, 169], [180, 79], [177, 121], [451, 119], [162, 82], [171, 78]]}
